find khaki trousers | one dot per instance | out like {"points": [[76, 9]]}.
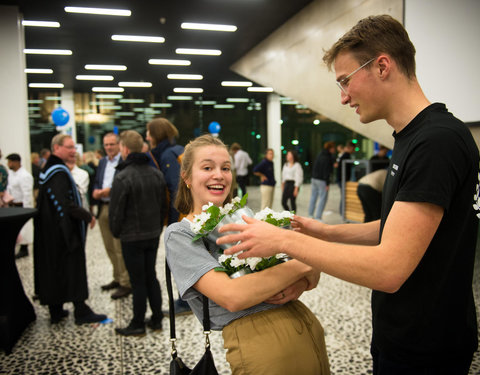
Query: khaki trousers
{"points": [[113, 248], [283, 341], [266, 192]]}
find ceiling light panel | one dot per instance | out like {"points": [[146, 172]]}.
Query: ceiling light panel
{"points": [[179, 97], [107, 89], [192, 90], [46, 85], [90, 77], [208, 27], [38, 71], [99, 11], [131, 101], [40, 23], [160, 105], [223, 106], [260, 89], [169, 62], [238, 100], [135, 84], [198, 51], [185, 76], [108, 96], [138, 38], [38, 51], [105, 67], [236, 83]]}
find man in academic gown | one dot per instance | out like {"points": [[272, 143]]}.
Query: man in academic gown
{"points": [[59, 244]]}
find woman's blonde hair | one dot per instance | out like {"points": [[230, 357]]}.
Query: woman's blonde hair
{"points": [[160, 129], [184, 199]]}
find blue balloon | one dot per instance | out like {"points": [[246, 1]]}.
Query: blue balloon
{"points": [[59, 116], [115, 129], [214, 127], [91, 139]]}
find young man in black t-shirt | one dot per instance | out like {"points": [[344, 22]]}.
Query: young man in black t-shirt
{"points": [[418, 258]]}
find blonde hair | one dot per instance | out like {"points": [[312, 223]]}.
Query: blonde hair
{"points": [[90, 157], [59, 139], [184, 199], [132, 140]]}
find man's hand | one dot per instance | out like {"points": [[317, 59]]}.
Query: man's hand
{"points": [[101, 193], [92, 222], [258, 238], [310, 227]]}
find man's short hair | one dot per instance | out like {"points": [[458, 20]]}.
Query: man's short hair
{"points": [[59, 139], [235, 146], [132, 140], [328, 145], [14, 157], [373, 36]]}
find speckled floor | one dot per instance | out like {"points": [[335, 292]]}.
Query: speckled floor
{"points": [[65, 348]]}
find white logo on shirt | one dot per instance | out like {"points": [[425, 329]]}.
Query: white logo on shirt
{"points": [[476, 197], [394, 168]]}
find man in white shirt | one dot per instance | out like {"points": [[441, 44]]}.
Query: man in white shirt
{"points": [[82, 180], [101, 192], [242, 161], [20, 187]]}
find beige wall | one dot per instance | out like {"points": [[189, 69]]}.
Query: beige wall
{"points": [[290, 59]]}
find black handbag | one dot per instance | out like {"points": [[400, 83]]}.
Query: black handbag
{"points": [[206, 365]]}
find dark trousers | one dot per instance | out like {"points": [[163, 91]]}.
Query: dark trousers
{"points": [[371, 202], [287, 195], [242, 182], [384, 366], [140, 259]]}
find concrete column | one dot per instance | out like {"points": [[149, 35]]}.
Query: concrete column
{"points": [[274, 132], [69, 106], [14, 126]]}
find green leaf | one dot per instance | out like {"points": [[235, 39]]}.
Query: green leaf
{"points": [[243, 201]]}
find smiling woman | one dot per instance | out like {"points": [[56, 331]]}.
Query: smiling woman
{"points": [[262, 323]]}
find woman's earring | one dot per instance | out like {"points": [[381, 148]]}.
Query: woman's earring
{"points": [[188, 186]]}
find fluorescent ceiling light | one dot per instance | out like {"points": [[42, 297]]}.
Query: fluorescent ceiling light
{"points": [[102, 103], [260, 89], [105, 67], [205, 102], [223, 106], [131, 101], [198, 51], [289, 102], [35, 101], [125, 113], [108, 96], [187, 90], [41, 23], [208, 26], [179, 97], [138, 38], [237, 83], [185, 76], [38, 51], [160, 105], [169, 62], [102, 11], [33, 108], [39, 71], [87, 77], [112, 107], [238, 100], [107, 89], [57, 98], [135, 84], [46, 85]]}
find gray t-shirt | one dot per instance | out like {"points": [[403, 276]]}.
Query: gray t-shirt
{"points": [[188, 262]]}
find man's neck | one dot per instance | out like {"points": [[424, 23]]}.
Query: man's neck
{"points": [[112, 157]]}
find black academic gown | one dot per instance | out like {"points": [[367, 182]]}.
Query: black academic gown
{"points": [[59, 237]]}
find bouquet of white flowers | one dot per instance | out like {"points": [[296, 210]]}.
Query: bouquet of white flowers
{"points": [[212, 217]]}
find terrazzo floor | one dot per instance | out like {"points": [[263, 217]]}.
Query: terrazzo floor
{"points": [[65, 348]]}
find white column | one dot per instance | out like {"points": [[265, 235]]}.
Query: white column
{"points": [[14, 126], [69, 106], [274, 132]]}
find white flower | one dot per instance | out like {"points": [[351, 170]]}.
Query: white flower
{"points": [[225, 210], [263, 214], [196, 227], [235, 262], [252, 262], [206, 206], [280, 255], [222, 258]]}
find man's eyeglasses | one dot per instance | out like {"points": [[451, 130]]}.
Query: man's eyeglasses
{"points": [[343, 83]]}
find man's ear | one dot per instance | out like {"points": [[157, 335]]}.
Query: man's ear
{"points": [[384, 65]]}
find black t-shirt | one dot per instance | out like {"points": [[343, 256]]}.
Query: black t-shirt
{"points": [[431, 318]]}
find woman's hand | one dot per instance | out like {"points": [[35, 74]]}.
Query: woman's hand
{"points": [[290, 293]]}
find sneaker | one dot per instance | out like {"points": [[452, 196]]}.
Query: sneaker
{"points": [[121, 292], [154, 324], [131, 330], [112, 285], [90, 318]]}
